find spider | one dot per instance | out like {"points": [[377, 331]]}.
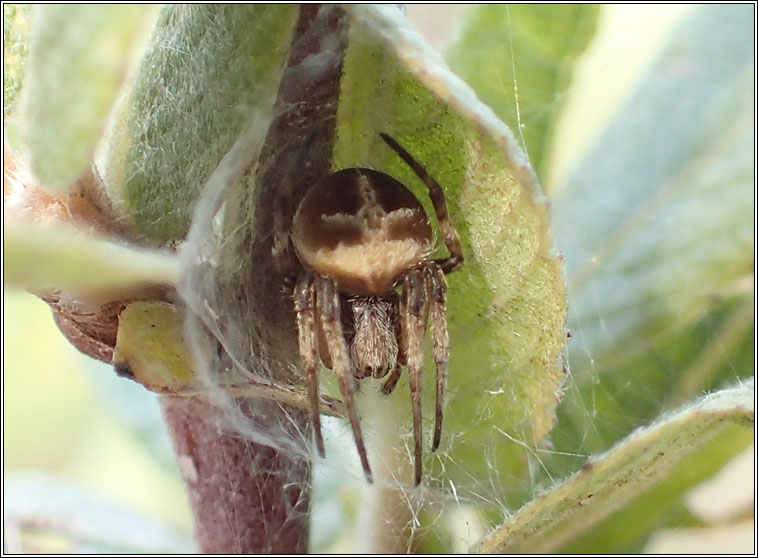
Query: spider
{"points": [[368, 284]]}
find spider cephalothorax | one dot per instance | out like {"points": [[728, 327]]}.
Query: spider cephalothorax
{"points": [[368, 285]]}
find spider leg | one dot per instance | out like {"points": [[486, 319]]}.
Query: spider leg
{"points": [[328, 302], [413, 332], [435, 280], [390, 383], [453, 243], [305, 309]]}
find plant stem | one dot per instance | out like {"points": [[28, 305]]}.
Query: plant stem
{"points": [[387, 512], [246, 498], [249, 497]]}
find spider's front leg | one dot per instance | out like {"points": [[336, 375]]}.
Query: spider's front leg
{"points": [[413, 312], [328, 304], [437, 194], [305, 308]]}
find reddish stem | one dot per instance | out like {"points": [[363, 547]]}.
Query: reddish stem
{"points": [[247, 498]]}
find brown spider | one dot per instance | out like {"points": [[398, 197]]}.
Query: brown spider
{"points": [[359, 235]]}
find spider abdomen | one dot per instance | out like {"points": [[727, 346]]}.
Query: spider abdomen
{"points": [[364, 229]]}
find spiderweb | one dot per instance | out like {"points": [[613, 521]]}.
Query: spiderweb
{"points": [[241, 329], [689, 333]]}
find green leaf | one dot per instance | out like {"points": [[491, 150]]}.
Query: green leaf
{"points": [[519, 60], [658, 310], [208, 67], [506, 307], [78, 58], [64, 258], [150, 347], [657, 220], [609, 481], [626, 530], [43, 510], [15, 52], [659, 252]]}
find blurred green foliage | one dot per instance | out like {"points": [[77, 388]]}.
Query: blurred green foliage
{"points": [[519, 59], [72, 421], [71, 45], [15, 52]]}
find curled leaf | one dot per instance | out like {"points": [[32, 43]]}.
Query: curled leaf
{"points": [[207, 67], [507, 305]]}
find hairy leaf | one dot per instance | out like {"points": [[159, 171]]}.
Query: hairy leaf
{"points": [[506, 307], [519, 60], [206, 69], [78, 58], [15, 52], [609, 481], [661, 504]]}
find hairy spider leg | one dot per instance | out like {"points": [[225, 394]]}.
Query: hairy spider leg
{"points": [[413, 331], [390, 383], [450, 235], [305, 309], [435, 279], [328, 303]]}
